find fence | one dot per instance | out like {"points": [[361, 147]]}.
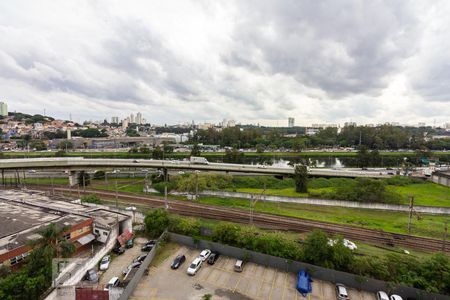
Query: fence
{"points": [[140, 272], [442, 178], [325, 202], [350, 280]]}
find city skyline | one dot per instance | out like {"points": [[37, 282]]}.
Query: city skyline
{"points": [[219, 61]]}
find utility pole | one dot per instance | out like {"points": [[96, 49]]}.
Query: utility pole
{"points": [[411, 208], [445, 237]]}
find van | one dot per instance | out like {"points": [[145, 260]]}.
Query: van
{"points": [[239, 265]]}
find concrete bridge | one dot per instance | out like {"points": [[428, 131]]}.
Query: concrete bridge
{"points": [[74, 164]]}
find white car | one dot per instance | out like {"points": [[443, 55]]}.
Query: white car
{"points": [[112, 283], [104, 263], [396, 297], [205, 254], [382, 296], [195, 266]]}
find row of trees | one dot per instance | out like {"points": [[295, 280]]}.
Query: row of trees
{"points": [[380, 137], [431, 274]]}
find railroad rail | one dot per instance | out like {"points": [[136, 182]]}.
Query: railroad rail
{"points": [[272, 221]]}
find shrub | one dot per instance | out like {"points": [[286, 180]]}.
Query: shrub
{"points": [[186, 226], [156, 221], [91, 199]]}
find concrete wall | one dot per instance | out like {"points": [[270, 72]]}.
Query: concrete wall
{"points": [[324, 202], [350, 280], [141, 270], [441, 178]]}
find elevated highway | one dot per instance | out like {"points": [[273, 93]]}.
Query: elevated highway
{"points": [[78, 164]]}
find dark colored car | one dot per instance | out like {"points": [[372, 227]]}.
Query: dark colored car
{"points": [[147, 247], [129, 244], [119, 250], [151, 242], [213, 257], [140, 258], [178, 261], [91, 275]]}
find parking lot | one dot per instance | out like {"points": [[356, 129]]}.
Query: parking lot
{"points": [[220, 280], [120, 262]]}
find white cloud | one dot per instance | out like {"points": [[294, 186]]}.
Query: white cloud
{"points": [[206, 60]]}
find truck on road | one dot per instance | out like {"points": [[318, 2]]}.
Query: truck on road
{"points": [[198, 160]]}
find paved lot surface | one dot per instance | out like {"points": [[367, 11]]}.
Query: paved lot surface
{"points": [[120, 262], [219, 280]]}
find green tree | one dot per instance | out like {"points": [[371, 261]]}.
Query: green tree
{"points": [[233, 156], [132, 132], [157, 153], [301, 179], [195, 150], [65, 145], [52, 239], [156, 221], [363, 157], [38, 145], [226, 233], [99, 174], [316, 249]]}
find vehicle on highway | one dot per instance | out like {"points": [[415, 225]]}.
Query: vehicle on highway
{"points": [[382, 295], [178, 261], [133, 265], [119, 250], [198, 160], [91, 276], [304, 286], [129, 244], [140, 258], [213, 257], [112, 283], [195, 266], [341, 292], [396, 297], [104, 263], [135, 161], [239, 266], [205, 254]]}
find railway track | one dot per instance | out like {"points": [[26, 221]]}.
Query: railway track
{"points": [[274, 221]]}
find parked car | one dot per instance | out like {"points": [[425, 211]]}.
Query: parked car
{"points": [[112, 283], [382, 295], [91, 275], [341, 292], [135, 264], [119, 250], [213, 257], [129, 244], [140, 258], [195, 266], [239, 265], [396, 297], [147, 247], [178, 261], [205, 254], [104, 263]]}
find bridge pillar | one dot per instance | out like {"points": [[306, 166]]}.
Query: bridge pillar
{"points": [[73, 178], [166, 175]]}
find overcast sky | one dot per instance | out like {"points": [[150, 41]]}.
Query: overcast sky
{"points": [[251, 61]]}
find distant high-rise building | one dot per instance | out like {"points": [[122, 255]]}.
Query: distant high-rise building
{"points": [[350, 124], [3, 109], [125, 123], [291, 122], [115, 120], [139, 118], [132, 118]]}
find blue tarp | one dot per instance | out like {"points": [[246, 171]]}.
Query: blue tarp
{"points": [[304, 283]]}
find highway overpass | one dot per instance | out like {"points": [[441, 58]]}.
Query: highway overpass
{"points": [[78, 164]]}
